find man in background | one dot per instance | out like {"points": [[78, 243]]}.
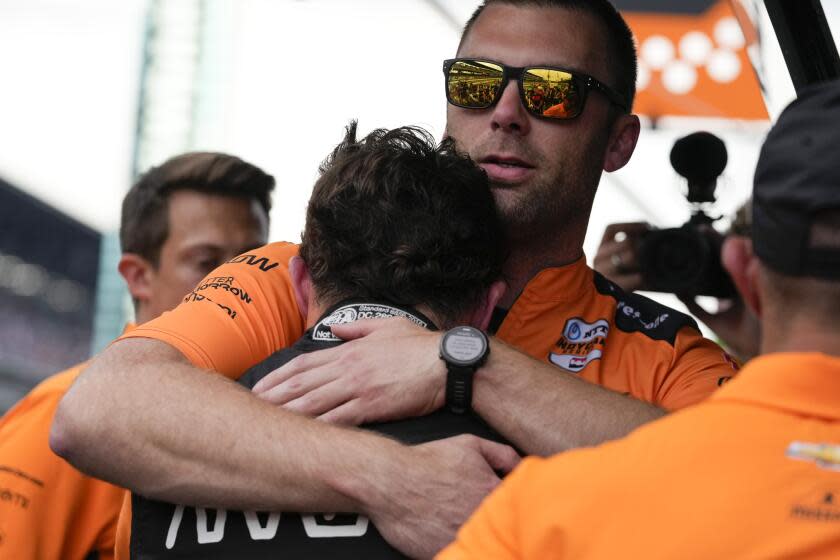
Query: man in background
{"points": [[754, 471], [179, 221]]}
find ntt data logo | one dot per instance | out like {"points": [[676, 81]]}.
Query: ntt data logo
{"points": [[581, 343]]}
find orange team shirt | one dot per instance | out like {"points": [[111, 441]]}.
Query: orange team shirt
{"points": [[570, 317], [753, 472], [48, 509], [245, 311], [122, 546]]}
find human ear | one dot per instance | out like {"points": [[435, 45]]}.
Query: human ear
{"points": [[622, 142], [302, 284], [743, 267], [138, 274], [481, 315]]}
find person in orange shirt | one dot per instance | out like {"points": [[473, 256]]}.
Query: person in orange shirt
{"points": [[544, 171], [179, 221], [574, 361], [753, 472]]}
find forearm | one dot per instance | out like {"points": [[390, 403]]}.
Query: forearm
{"points": [[536, 406], [170, 431], [544, 410]]}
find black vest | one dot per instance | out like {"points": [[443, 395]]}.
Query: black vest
{"points": [[163, 530]]}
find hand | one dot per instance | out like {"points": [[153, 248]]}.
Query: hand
{"points": [[618, 254], [737, 326], [441, 485], [389, 369]]}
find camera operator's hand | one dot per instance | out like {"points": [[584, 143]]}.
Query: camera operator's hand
{"points": [[617, 256]]}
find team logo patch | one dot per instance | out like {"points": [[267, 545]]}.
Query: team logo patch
{"points": [[356, 311], [825, 455], [821, 504], [580, 344]]}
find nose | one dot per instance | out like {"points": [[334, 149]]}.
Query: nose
{"points": [[509, 115]]}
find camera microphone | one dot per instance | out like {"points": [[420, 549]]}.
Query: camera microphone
{"points": [[686, 260], [700, 157]]}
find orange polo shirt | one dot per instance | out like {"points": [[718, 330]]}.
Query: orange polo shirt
{"points": [[122, 546], [243, 312], [569, 317], [754, 472], [48, 509]]}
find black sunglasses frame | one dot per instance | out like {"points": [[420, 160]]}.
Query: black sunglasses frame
{"points": [[583, 82]]}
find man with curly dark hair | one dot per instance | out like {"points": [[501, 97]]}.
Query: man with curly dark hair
{"points": [[396, 226], [393, 218]]}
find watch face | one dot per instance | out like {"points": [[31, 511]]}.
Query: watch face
{"points": [[464, 345]]}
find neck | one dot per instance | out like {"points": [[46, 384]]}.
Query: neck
{"points": [[527, 257], [798, 334], [142, 315]]}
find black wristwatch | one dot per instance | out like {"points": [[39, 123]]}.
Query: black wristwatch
{"points": [[464, 349]]}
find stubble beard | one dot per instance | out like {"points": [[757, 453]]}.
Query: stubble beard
{"points": [[550, 205], [544, 209], [524, 213]]}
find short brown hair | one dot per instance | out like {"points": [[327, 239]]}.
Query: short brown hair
{"points": [[144, 226], [394, 217]]}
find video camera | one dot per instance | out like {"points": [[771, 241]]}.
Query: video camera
{"points": [[686, 260]]}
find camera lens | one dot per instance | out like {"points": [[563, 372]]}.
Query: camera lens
{"points": [[674, 259]]}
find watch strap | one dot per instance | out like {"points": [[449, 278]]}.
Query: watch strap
{"points": [[459, 383]]}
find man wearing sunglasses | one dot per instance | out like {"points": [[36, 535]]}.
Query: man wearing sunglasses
{"points": [[574, 360], [539, 96]]}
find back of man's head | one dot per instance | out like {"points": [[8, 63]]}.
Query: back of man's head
{"points": [[620, 48], [395, 218], [144, 225], [796, 209]]}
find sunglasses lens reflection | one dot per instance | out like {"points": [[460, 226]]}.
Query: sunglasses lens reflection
{"points": [[474, 83], [546, 92], [551, 93]]}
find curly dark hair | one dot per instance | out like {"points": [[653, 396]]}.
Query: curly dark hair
{"points": [[620, 47], [395, 217], [144, 225]]}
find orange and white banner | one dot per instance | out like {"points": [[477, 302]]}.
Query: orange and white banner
{"points": [[693, 59]]}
